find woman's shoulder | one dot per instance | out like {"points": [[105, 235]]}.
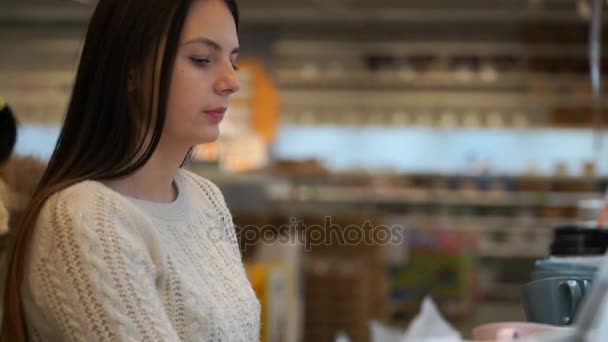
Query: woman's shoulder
{"points": [[84, 198], [87, 190], [88, 208]]}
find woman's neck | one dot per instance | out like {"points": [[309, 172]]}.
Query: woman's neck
{"points": [[154, 181]]}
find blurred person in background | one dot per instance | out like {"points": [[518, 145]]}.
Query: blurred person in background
{"points": [[120, 242], [19, 175], [8, 137], [18, 178]]}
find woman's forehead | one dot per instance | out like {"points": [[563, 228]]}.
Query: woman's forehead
{"points": [[211, 20]]}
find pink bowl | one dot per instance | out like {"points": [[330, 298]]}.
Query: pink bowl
{"points": [[512, 331]]}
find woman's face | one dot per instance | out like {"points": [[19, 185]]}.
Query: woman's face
{"points": [[204, 76]]}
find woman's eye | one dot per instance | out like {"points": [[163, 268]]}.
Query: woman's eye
{"points": [[200, 61]]}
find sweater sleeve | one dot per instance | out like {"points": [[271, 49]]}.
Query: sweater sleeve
{"points": [[92, 274]]}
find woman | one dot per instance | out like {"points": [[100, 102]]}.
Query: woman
{"points": [[119, 243]]}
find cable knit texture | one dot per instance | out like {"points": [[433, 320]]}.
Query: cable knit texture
{"points": [[106, 267]]}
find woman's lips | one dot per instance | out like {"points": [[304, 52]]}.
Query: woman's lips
{"points": [[217, 114]]}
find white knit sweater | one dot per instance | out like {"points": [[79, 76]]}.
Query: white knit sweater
{"points": [[107, 267]]}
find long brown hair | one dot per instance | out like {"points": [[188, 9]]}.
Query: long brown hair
{"points": [[102, 134]]}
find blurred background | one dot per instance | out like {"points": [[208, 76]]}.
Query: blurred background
{"points": [[457, 132]]}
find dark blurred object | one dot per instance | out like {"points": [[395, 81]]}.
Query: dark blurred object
{"points": [[568, 117], [298, 168], [505, 63], [22, 175], [345, 277], [422, 63], [544, 33], [574, 240], [337, 298], [554, 65], [8, 131], [380, 62], [346, 282]]}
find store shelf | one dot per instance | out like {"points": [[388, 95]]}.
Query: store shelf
{"points": [[315, 98], [303, 48], [383, 15], [393, 80], [330, 12], [434, 80], [337, 195]]}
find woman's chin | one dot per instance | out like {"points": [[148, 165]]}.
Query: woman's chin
{"points": [[208, 135]]}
